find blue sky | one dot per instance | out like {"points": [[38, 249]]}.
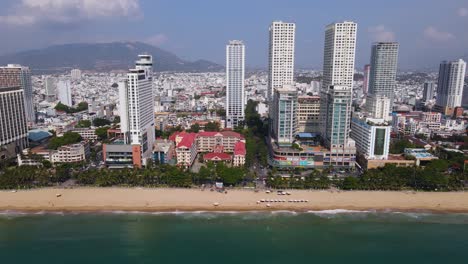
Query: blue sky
{"points": [[428, 31]]}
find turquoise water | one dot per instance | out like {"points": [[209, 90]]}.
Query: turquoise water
{"points": [[284, 237]]}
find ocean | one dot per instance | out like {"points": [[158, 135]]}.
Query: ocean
{"points": [[335, 236]]}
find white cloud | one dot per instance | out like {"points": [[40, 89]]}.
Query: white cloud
{"points": [[63, 12], [462, 11], [157, 40], [380, 33], [434, 34]]}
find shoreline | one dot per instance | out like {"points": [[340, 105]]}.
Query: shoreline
{"points": [[145, 200]]}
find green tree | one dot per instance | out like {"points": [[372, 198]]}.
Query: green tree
{"points": [[212, 126], [67, 138], [100, 122], [101, 132], [83, 124]]}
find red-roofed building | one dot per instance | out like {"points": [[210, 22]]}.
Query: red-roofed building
{"points": [[239, 154], [189, 144], [186, 148], [217, 157], [207, 141]]}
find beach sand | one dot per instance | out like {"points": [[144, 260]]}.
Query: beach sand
{"points": [[152, 200]]}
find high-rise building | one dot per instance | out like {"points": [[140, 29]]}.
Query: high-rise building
{"points": [[337, 90], [379, 106], [24, 75], [13, 121], [382, 81], [428, 91], [335, 114], [281, 56], [372, 136], [75, 74], [235, 92], [384, 62], [50, 89], [64, 92], [137, 109], [450, 86], [308, 113], [283, 115], [339, 54], [365, 83], [337, 103]]}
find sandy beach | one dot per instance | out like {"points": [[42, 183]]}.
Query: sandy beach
{"points": [[142, 199]]}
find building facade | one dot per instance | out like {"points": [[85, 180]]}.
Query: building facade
{"points": [[137, 109], [50, 89], [64, 92], [382, 78], [428, 91], [281, 56], [284, 116], [72, 153], [214, 146], [75, 74], [308, 114], [235, 90], [365, 83], [450, 86], [372, 137], [13, 120], [24, 75], [339, 54], [379, 106], [336, 103], [336, 93]]}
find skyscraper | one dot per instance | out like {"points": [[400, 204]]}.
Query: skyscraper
{"points": [[337, 106], [235, 92], [365, 83], [13, 126], [75, 74], [339, 54], [337, 90], [428, 91], [382, 81], [24, 75], [50, 89], [281, 56], [450, 86], [283, 115], [64, 92], [137, 109]]}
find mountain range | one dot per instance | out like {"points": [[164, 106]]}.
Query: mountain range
{"points": [[103, 57]]}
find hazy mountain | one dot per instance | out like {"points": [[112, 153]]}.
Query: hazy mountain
{"points": [[103, 57]]}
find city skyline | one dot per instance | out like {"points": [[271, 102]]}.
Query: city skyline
{"points": [[424, 42]]}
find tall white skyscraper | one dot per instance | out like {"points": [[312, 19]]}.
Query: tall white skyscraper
{"points": [[281, 56], [235, 91], [450, 85], [24, 74], [64, 92], [339, 54], [137, 109], [75, 74], [336, 94]]}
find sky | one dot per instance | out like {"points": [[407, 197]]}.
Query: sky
{"points": [[428, 31]]}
